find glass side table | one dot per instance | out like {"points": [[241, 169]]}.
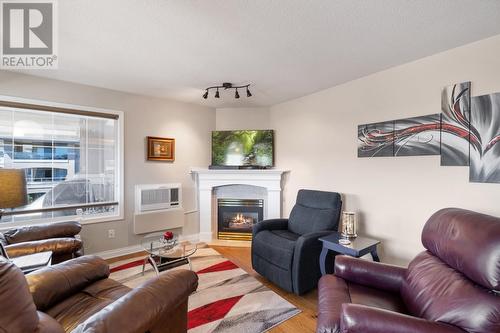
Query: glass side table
{"points": [[163, 256]]}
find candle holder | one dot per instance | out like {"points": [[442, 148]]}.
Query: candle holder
{"points": [[348, 229]]}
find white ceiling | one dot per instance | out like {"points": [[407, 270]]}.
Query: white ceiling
{"points": [[284, 48]]}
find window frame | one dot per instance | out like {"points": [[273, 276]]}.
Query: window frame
{"points": [[119, 215]]}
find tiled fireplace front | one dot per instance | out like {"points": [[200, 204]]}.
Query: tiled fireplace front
{"points": [[235, 217]]}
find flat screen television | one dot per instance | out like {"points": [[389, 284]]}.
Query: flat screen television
{"points": [[244, 148]]}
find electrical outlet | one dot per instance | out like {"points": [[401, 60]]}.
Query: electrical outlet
{"points": [[111, 233]]}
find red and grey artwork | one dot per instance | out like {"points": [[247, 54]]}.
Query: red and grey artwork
{"points": [[485, 155], [417, 136], [403, 137], [376, 140], [455, 113], [465, 133]]}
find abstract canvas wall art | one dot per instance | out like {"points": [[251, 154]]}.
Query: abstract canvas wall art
{"points": [[376, 140], [485, 150], [417, 136], [465, 133], [455, 113]]}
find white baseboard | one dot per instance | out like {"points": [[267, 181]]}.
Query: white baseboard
{"points": [[119, 252]]}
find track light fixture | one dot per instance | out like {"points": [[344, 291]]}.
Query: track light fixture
{"points": [[226, 86]]}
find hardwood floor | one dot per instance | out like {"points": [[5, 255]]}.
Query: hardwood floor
{"points": [[305, 321]]}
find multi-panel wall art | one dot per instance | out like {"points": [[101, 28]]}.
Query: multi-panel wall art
{"points": [[465, 133]]}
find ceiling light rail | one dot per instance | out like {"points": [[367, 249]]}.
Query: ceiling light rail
{"points": [[226, 86]]}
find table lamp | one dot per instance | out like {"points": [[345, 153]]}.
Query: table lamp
{"points": [[12, 189]]}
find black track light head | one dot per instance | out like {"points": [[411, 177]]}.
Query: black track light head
{"points": [[236, 94], [205, 95], [249, 94], [217, 93]]}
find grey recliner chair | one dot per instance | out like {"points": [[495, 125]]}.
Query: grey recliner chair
{"points": [[286, 251]]}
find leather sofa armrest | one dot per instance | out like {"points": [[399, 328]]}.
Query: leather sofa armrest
{"points": [[47, 324], [42, 231], [357, 318], [50, 285], [272, 224], [145, 306], [369, 273], [56, 245]]}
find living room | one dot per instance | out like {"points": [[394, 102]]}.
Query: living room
{"points": [[250, 166]]}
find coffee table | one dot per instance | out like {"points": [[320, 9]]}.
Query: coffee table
{"points": [[358, 247], [162, 257]]}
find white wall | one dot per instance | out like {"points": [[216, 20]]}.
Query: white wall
{"points": [[189, 124], [316, 138], [242, 118]]}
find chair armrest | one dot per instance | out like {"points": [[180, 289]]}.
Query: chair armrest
{"points": [[357, 318], [369, 273], [272, 224], [52, 284], [47, 324], [306, 260], [56, 245], [144, 306], [42, 231]]}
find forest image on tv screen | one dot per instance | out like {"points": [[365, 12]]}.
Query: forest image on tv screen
{"points": [[242, 148]]}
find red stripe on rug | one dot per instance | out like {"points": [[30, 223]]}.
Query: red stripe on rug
{"points": [[211, 312], [223, 266], [127, 265]]}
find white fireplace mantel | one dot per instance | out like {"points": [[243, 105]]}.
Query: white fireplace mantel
{"points": [[208, 179]]}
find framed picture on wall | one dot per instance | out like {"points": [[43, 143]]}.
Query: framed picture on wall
{"points": [[160, 149]]}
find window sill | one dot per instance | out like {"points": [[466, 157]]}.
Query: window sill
{"points": [[84, 221]]}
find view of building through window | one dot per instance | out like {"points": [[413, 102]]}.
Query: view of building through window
{"points": [[68, 159]]}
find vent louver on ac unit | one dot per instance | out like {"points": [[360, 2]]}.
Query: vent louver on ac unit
{"points": [[155, 198]]}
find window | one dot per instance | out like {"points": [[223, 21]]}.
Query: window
{"points": [[72, 159]]}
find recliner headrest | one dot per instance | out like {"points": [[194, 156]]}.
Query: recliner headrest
{"points": [[318, 199], [467, 241]]}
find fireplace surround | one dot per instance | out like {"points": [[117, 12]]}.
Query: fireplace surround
{"points": [[235, 217], [207, 180]]}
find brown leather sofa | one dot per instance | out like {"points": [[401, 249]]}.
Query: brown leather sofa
{"points": [[60, 238], [453, 287], [77, 296]]}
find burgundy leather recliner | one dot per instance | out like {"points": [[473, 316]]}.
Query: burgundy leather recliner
{"points": [[452, 287]]}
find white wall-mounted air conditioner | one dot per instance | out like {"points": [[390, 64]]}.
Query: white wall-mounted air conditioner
{"points": [[158, 207], [157, 197]]}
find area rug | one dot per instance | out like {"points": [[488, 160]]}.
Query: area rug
{"points": [[228, 299]]}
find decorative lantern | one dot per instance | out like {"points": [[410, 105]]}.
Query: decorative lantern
{"points": [[348, 229]]}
